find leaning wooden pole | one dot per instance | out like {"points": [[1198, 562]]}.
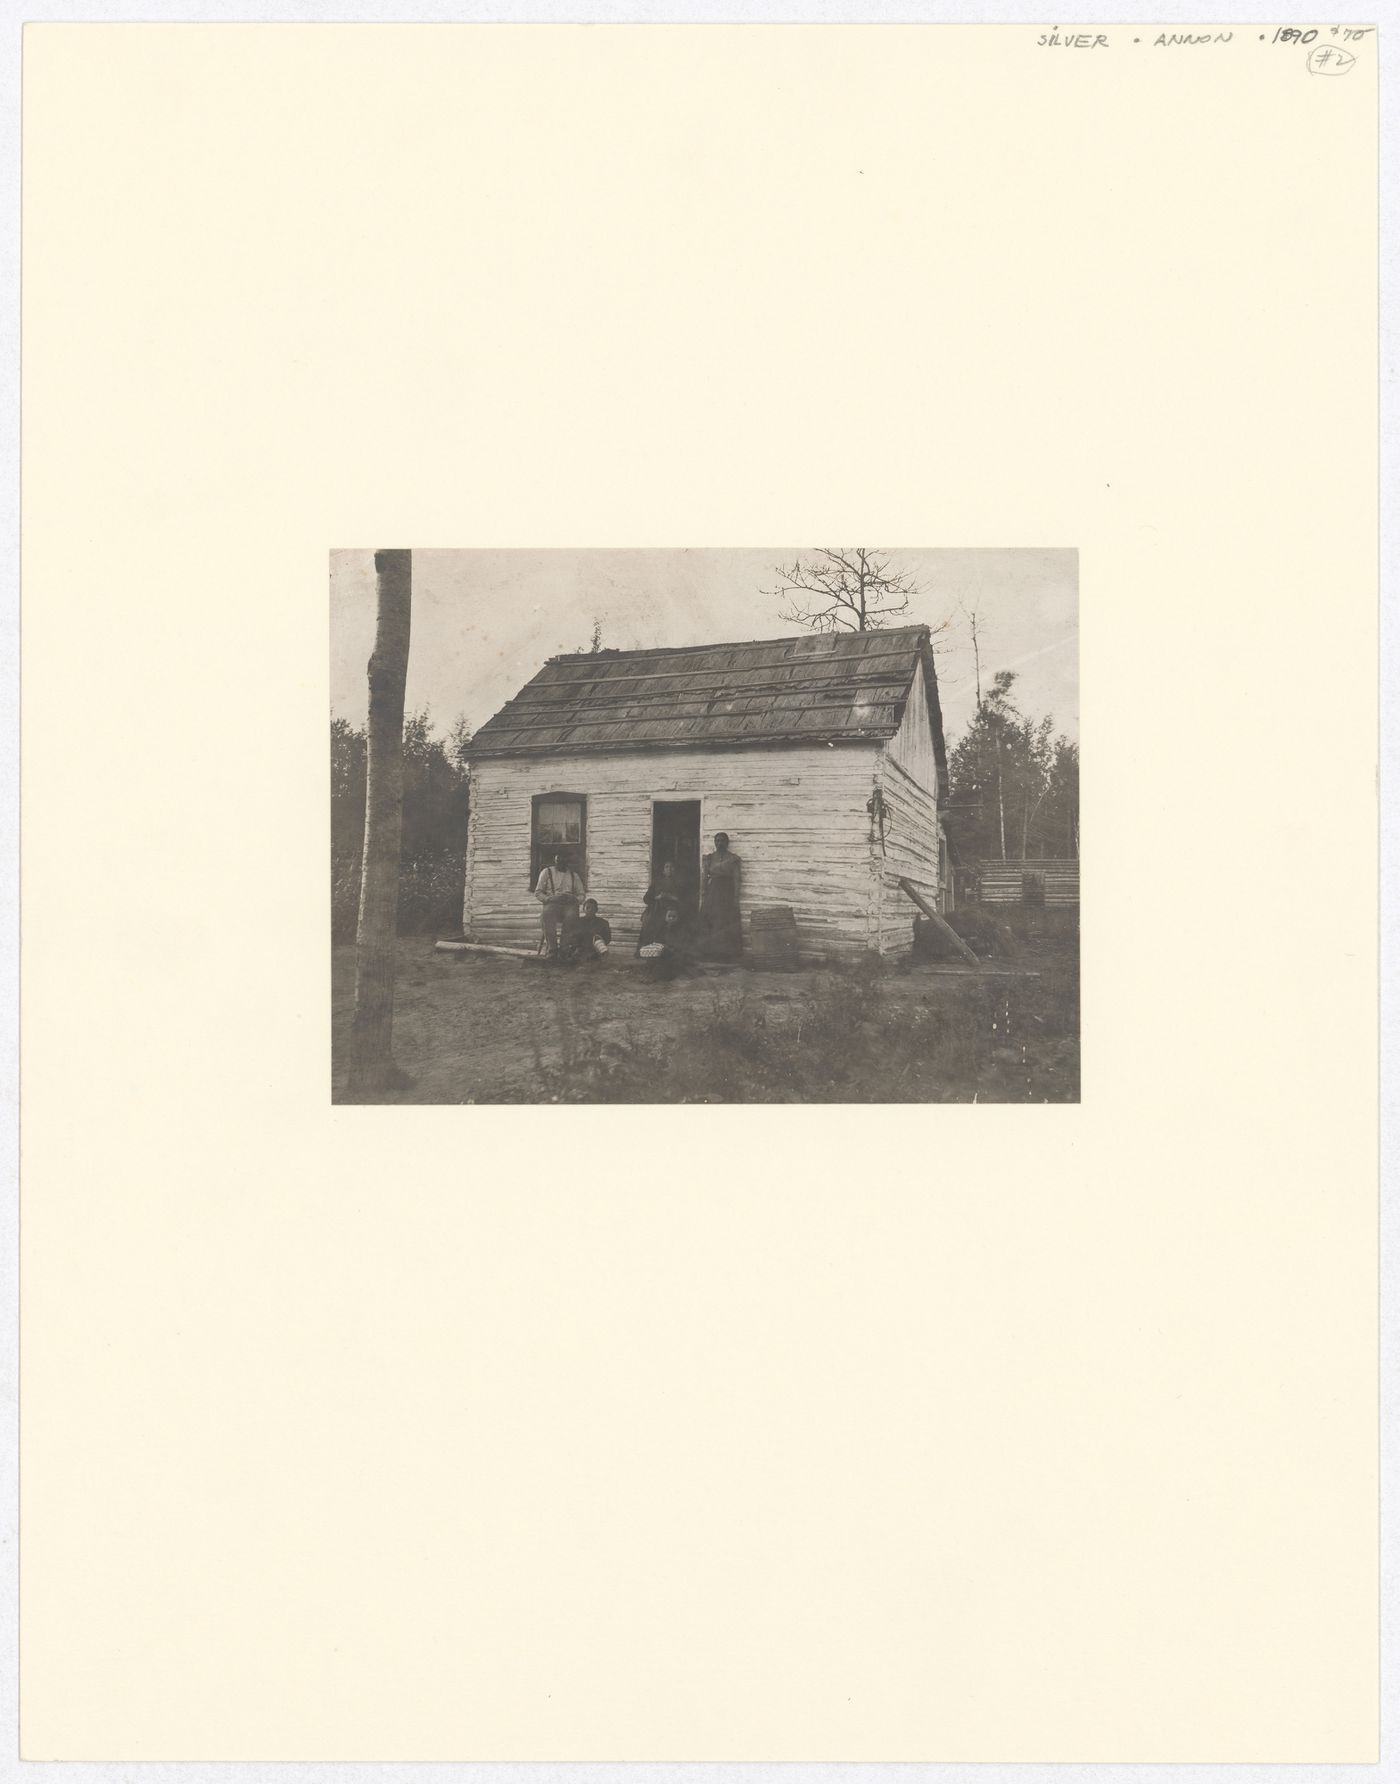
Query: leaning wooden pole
{"points": [[371, 1061], [945, 929]]}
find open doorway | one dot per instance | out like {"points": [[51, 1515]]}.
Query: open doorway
{"points": [[675, 837]]}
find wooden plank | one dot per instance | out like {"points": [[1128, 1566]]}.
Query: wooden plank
{"points": [[945, 929], [483, 948]]}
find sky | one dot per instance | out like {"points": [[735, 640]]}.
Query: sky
{"points": [[485, 621]]}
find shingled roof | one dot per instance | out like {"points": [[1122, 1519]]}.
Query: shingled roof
{"points": [[841, 687]]}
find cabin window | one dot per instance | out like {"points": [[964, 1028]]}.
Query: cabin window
{"points": [[558, 825]]}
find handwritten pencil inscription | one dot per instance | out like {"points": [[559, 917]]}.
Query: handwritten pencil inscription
{"points": [[1326, 58]]}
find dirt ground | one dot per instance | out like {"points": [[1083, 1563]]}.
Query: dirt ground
{"points": [[484, 1029]]}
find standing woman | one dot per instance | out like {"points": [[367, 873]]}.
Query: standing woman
{"points": [[720, 924]]}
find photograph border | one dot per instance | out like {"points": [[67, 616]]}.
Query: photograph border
{"points": [[991, 11]]}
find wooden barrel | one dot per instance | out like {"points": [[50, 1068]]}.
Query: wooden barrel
{"points": [[773, 937]]}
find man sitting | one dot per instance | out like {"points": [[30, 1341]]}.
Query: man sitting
{"points": [[588, 938], [558, 889]]}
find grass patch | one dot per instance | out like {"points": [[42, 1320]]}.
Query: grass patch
{"points": [[855, 1036]]}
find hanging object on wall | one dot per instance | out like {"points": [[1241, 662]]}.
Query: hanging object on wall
{"points": [[879, 817]]}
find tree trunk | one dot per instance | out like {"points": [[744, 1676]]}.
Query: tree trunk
{"points": [[1028, 812], [371, 1063], [976, 661], [1001, 801]]}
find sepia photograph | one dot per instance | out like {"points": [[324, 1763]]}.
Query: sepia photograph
{"points": [[511, 380], [705, 826]]}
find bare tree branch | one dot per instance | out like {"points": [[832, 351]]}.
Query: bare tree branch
{"points": [[855, 590], [974, 619]]}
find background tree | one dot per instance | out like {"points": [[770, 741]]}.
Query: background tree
{"points": [[434, 801], [853, 590], [348, 799], [371, 1056], [974, 628], [1060, 819], [459, 743], [1013, 785], [433, 842]]}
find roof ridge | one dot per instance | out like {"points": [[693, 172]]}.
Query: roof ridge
{"points": [[676, 650]]}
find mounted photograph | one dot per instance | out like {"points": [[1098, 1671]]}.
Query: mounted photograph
{"points": [[705, 826]]}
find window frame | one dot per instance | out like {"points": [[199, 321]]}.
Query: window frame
{"points": [[538, 849]]}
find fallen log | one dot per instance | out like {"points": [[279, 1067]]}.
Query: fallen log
{"points": [[944, 928], [485, 948]]}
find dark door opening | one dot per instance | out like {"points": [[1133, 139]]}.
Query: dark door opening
{"points": [[675, 837]]}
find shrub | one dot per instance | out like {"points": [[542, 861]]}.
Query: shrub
{"points": [[430, 895]]}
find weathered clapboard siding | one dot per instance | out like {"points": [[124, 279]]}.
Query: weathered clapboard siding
{"points": [[911, 852], [797, 817], [908, 787], [1004, 882], [912, 744]]}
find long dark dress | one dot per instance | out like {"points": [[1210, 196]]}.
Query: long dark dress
{"points": [[667, 949], [660, 896], [721, 926], [654, 921]]}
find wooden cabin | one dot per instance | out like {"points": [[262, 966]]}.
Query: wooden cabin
{"points": [[821, 756], [1043, 884]]}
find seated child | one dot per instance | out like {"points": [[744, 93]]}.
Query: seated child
{"points": [[588, 938]]}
